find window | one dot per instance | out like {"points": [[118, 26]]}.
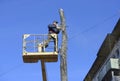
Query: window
{"points": [[117, 53]]}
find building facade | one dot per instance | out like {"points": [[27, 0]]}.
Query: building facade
{"points": [[106, 66]]}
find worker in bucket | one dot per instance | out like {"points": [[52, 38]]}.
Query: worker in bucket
{"points": [[53, 31], [54, 28]]}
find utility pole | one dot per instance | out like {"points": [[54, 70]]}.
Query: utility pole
{"points": [[63, 55]]}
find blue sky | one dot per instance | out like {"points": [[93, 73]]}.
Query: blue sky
{"points": [[88, 22]]}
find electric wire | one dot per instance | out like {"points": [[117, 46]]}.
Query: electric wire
{"points": [[92, 27], [11, 69]]}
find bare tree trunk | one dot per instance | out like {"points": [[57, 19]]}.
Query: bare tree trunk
{"points": [[63, 55]]}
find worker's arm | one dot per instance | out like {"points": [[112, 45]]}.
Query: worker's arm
{"points": [[58, 27]]}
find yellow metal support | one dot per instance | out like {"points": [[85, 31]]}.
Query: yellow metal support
{"points": [[43, 71], [34, 48]]}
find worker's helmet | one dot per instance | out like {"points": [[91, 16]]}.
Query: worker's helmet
{"points": [[55, 22]]}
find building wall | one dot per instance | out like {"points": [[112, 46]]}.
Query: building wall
{"points": [[116, 78], [103, 70]]}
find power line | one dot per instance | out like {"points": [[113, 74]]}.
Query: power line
{"points": [[92, 27], [10, 70]]}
